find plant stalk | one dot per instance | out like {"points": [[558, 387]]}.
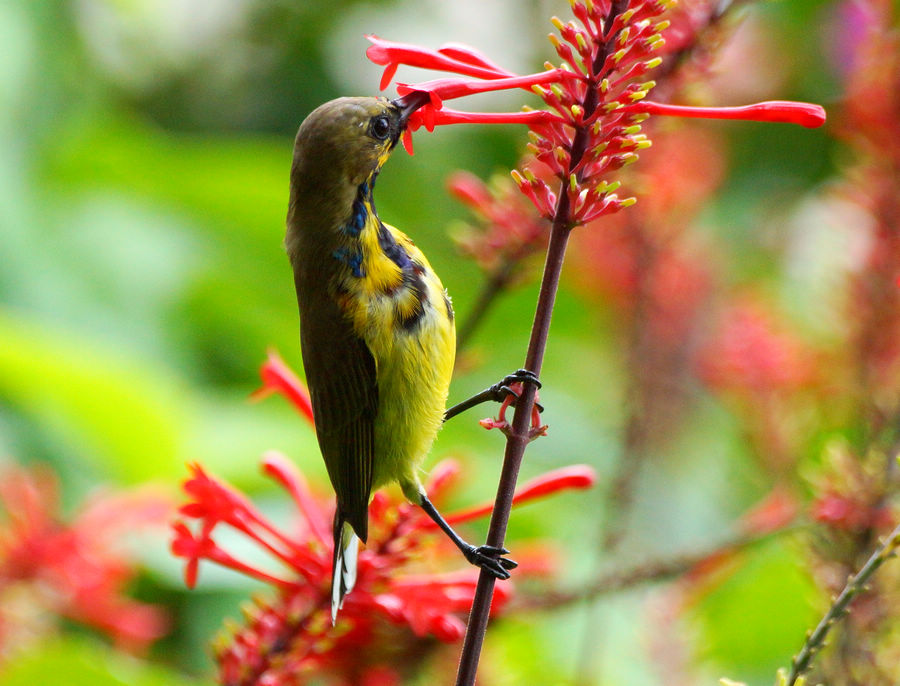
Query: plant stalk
{"points": [[516, 442], [518, 438], [840, 607]]}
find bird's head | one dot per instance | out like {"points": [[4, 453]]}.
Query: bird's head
{"points": [[352, 137]]}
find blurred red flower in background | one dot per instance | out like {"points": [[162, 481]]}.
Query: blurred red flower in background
{"points": [[509, 228], [407, 597], [752, 355], [74, 569]]}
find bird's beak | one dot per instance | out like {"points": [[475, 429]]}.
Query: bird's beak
{"points": [[409, 103]]}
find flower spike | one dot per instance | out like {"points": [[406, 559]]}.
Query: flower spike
{"points": [[595, 93]]}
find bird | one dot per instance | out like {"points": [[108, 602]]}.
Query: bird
{"points": [[377, 331]]}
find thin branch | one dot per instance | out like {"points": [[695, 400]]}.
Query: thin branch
{"points": [[839, 608], [518, 437], [517, 440], [648, 572]]}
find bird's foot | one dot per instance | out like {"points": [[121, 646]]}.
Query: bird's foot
{"points": [[503, 389], [506, 391], [490, 559]]}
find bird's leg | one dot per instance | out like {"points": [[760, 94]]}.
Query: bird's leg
{"points": [[486, 556], [498, 392]]}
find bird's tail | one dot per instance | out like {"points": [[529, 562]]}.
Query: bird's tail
{"points": [[343, 564]]}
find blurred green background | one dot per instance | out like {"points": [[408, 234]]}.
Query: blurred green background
{"points": [[144, 156]]}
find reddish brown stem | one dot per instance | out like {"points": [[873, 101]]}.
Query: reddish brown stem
{"points": [[518, 438], [516, 443]]}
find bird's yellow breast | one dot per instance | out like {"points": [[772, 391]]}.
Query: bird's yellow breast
{"points": [[399, 307]]}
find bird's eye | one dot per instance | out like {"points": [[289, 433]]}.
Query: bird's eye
{"points": [[380, 128]]}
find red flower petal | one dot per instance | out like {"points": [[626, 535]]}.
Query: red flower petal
{"points": [[277, 377], [785, 111], [286, 473], [385, 52], [575, 476], [468, 54], [450, 88]]}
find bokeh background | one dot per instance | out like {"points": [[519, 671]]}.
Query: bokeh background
{"points": [[144, 156]]}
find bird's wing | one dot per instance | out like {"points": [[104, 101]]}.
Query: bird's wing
{"points": [[340, 371]]}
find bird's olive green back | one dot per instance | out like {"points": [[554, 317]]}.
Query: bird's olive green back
{"points": [[340, 372], [333, 154]]}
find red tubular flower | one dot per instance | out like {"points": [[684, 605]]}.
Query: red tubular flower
{"points": [[277, 377], [595, 101], [76, 569], [455, 58], [577, 476], [510, 230], [775, 111], [290, 637]]}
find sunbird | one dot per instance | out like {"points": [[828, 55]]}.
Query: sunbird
{"points": [[377, 331]]}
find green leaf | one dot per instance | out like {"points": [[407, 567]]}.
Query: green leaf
{"points": [[236, 186], [754, 620], [83, 662], [120, 413]]}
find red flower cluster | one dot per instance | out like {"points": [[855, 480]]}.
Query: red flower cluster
{"points": [[510, 229], [595, 101], [768, 371], [399, 599], [404, 598], [73, 569], [751, 354]]}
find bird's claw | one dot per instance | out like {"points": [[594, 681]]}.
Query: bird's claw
{"points": [[503, 389], [522, 376], [490, 559]]}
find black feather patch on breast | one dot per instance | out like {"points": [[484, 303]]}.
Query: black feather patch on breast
{"points": [[411, 300], [392, 248], [357, 220], [408, 317]]}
